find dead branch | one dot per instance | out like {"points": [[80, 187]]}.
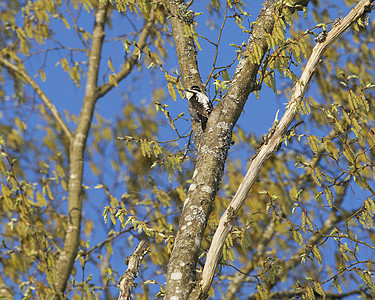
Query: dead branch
{"points": [[134, 261], [265, 153]]}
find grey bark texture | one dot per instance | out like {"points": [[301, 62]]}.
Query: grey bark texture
{"points": [[134, 263], [213, 146]]}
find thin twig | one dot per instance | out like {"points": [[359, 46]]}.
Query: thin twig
{"points": [[76, 26], [217, 44], [132, 61], [47, 102]]}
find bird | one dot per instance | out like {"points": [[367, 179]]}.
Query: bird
{"points": [[199, 105]]}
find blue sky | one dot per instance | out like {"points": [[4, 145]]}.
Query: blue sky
{"points": [[257, 117]]}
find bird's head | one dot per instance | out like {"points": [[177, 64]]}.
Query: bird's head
{"points": [[195, 88]]}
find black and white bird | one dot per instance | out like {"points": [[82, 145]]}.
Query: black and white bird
{"points": [[199, 105]]}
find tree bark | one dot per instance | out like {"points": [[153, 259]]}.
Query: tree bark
{"points": [[93, 92], [77, 148], [134, 263], [212, 148]]}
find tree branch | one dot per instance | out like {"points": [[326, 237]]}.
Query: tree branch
{"points": [[67, 256], [293, 294], [217, 43], [47, 102], [186, 52], [5, 291], [132, 61], [239, 278], [134, 261], [329, 224], [212, 147], [272, 146]]}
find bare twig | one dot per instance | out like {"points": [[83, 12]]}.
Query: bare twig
{"points": [[269, 149], [217, 43], [293, 294], [132, 61], [76, 26], [47, 102], [134, 261]]}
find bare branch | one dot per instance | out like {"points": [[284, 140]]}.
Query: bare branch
{"points": [[134, 261], [217, 43], [272, 146], [292, 294], [132, 61], [47, 102], [76, 27], [317, 236], [67, 256]]}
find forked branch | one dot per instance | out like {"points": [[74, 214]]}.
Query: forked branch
{"points": [[65, 262], [132, 61]]}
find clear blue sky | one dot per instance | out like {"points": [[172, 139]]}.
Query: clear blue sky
{"points": [[257, 117]]}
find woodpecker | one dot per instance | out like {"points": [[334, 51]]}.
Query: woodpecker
{"points": [[199, 105]]}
